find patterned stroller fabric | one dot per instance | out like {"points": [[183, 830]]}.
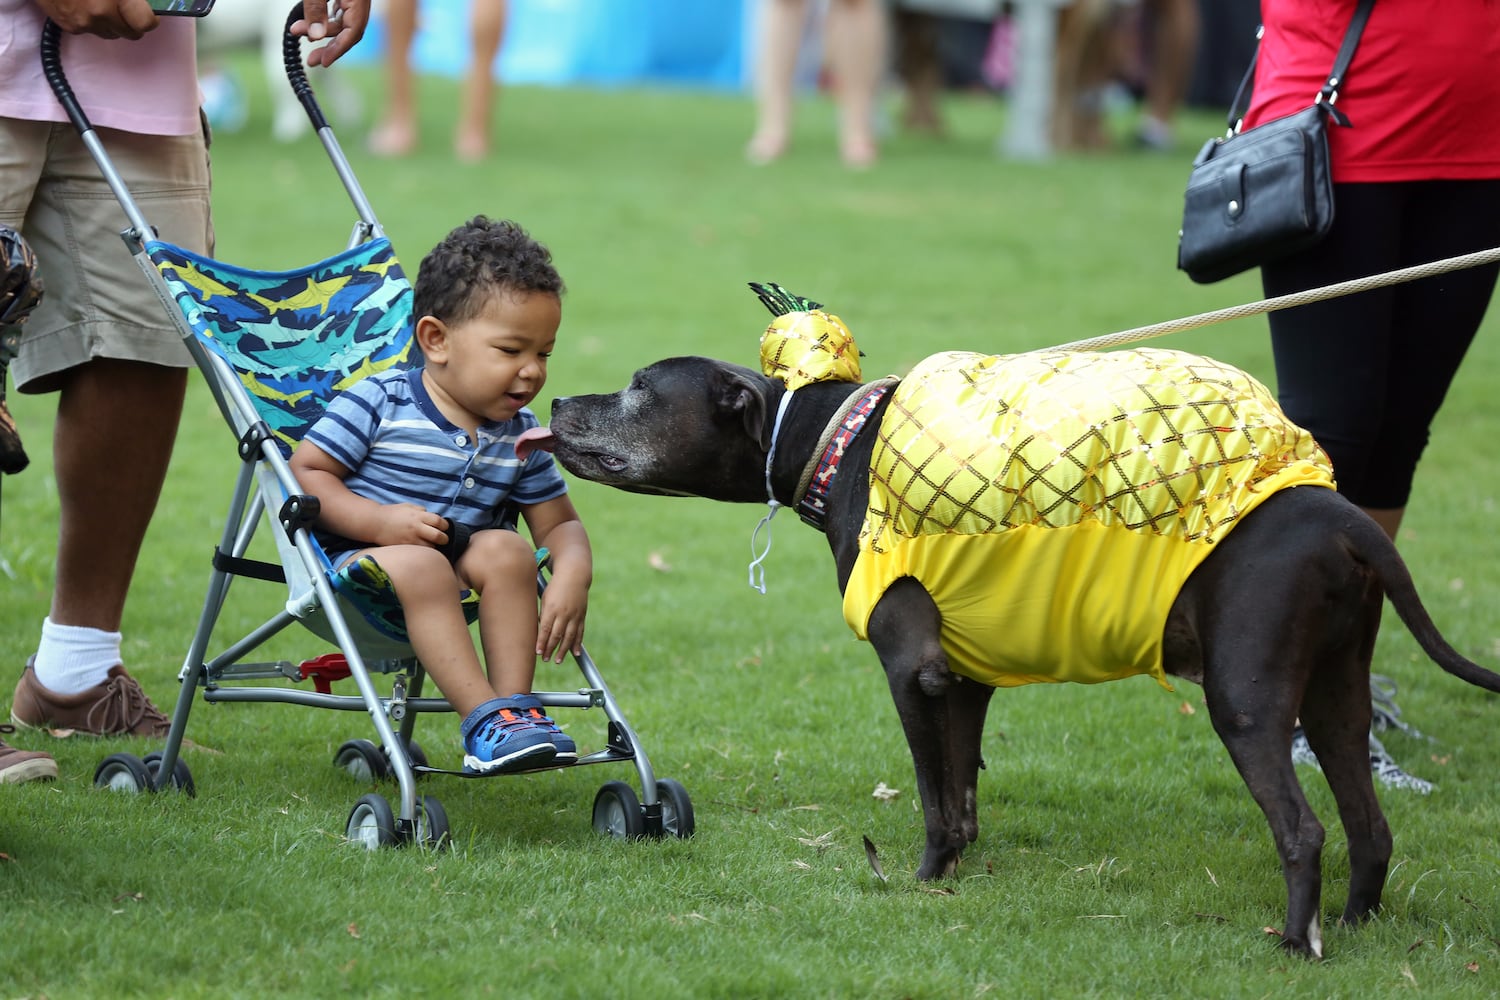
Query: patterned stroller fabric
{"points": [[1054, 503], [296, 337]]}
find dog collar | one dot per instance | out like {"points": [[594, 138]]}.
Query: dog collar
{"points": [[813, 507]]}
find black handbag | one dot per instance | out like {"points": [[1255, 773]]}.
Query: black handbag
{"points": [[1259, 194]]}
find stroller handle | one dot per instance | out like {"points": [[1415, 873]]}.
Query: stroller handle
{"points": [[296, 75], [58, 80], [291, 53], [368, 226]]}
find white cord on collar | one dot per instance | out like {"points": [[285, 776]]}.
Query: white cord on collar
{"points": [[758, 571]]}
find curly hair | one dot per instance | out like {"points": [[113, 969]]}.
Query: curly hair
{"points": [[459, 278]]}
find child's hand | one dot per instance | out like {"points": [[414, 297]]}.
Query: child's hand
{"points": [[409, 524], [560, 628]]}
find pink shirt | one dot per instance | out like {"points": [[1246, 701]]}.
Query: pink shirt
{"points": [[1423, 92], [148, 86]]}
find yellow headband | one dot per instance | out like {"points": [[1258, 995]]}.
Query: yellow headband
{"points": [[809, 346]]}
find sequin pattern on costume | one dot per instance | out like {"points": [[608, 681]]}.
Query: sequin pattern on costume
{"points": [[1153, 441]]}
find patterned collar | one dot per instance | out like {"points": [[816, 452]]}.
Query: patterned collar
{"points": [[813, 507]]}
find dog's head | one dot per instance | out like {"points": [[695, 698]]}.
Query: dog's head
{"points": [[683, 427]]}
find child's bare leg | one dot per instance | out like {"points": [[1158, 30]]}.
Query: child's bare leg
{"points": [[429, 593], [497, 734], [471, 142], [501, 567]]}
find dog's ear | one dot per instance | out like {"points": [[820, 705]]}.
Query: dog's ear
{"points": [[747, 395]]}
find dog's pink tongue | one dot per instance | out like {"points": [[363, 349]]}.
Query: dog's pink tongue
{"points": [[535, 439]]}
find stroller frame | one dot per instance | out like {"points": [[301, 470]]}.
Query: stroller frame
{"points": [[663, 807]]}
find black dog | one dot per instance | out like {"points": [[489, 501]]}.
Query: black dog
{"points": [[1278, 624]]}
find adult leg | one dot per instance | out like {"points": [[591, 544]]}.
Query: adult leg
{"points": [[857, 56], [1174, 26], [1434, 321], [101, 341], [396, 135], [116, 425], [920, 69], [781, 24], [471, 142], [1334, 358]]}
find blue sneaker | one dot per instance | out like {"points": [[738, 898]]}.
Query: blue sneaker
{"points": [[531, 710], [498, 738]]}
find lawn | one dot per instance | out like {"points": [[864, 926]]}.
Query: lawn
{"points": [[1119, 853]]}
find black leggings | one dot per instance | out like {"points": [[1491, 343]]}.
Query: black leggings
{"points": [[1367, 373]]}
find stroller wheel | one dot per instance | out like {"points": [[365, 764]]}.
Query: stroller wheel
{"points": [[676, 809], [362, 759], [432, 825], [122, 772], [617, 812], [182, 778], [372, 824]]}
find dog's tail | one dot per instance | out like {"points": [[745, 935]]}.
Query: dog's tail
{"points": [[1379, 552]]}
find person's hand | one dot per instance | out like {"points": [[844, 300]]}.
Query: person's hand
{"points": [[345, 26], [560, 626], [105, 18], [409, 524]]}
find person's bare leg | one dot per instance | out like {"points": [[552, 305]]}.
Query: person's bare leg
{"points": [[471, 141], [111, 445], [396, 134], [781, 24], [501, 567], [857, 56], [921, 73], [429, 593], [1389, 518], [1174, 47]]}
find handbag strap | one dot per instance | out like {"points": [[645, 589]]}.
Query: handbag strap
{"points": [[1329, 92]]}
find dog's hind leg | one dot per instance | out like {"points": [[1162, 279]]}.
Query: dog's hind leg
{"points": [[968, 701], [1336, 716], [904, 629], [1255, 723]]}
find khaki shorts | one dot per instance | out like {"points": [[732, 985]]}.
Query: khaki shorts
{"points": [[96, 302]]}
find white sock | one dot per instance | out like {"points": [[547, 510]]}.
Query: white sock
{"points": [[74, 658]]}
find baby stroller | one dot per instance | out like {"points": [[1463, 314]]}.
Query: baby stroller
{"points": [[274, 347]]}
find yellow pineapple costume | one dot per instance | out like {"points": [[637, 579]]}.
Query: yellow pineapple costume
{"points": [[1054, 503], [808, 346]]}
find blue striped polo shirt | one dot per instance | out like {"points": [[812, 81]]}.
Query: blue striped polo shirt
{"points": [[403, 450]]}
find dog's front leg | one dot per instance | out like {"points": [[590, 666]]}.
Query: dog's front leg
{"points": [[904, 629]]}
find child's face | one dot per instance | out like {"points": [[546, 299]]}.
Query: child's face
{"points": [[488, 367]]}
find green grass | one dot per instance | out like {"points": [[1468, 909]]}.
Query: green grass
{"points": [[1119, 854]]}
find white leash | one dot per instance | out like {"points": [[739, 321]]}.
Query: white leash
{"points": [[757, 570], [1284, 301]]}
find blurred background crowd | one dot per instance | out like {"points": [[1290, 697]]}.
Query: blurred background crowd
{"points": [[1094, 55]]}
